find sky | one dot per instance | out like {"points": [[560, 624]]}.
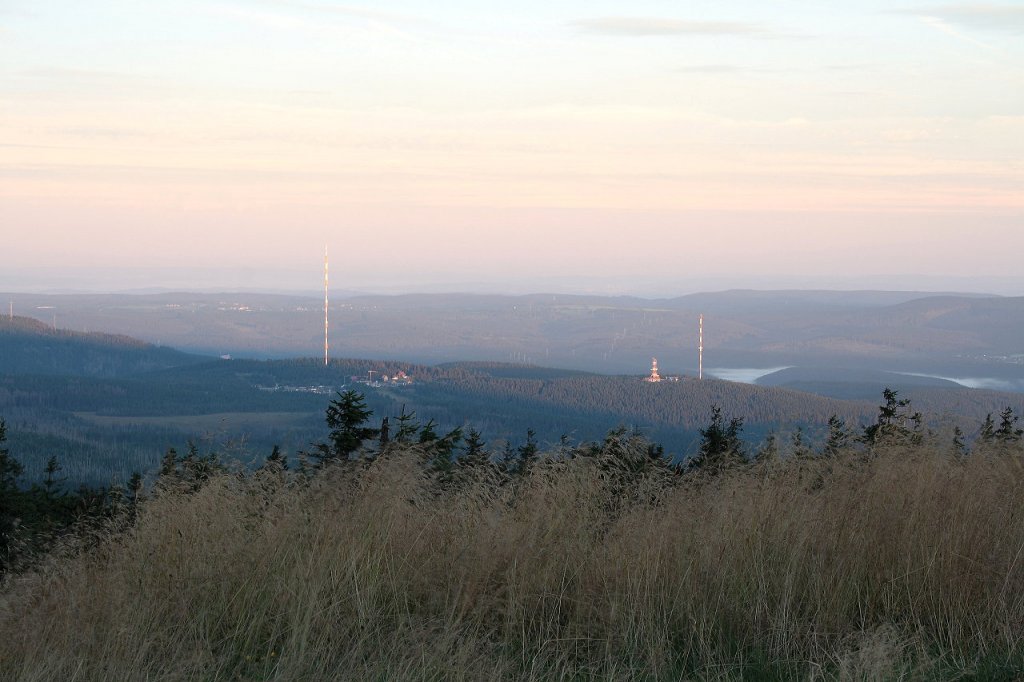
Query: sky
{"points": [[651, 147]]}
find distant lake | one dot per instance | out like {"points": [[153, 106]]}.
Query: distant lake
{"points": [[744, 375]]}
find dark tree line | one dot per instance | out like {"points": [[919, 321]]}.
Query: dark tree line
{"points": [[33, 517], [721, 444]]}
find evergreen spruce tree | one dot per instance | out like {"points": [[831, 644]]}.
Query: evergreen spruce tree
{"points": [[408, 427], [528, 452], [169, 465], [474, 455], [444, 447], [896, 422], [565, 449], [507, 463], [50, 480], [721, 446], [346, 417], [1008, 431], [197, 469], [427, 434], [135, 489], [769, 450], [800, 448], [276, 460], [987, 432], [838, 437], [440, 451]]}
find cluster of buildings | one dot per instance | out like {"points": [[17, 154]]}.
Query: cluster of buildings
{"points": [[279, 388], [373, 379], [400, 378]]}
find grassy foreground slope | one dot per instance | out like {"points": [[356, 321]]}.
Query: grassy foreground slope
{"points": [[894, 563]]}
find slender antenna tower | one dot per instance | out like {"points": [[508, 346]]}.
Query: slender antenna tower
{"points": [[11, 315], [700, 349], [326, 311]]}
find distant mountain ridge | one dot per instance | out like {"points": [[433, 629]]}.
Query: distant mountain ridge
{"points": [[956, 335]]}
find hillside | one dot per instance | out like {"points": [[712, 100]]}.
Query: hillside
{"points": [[113, 404], [28, 346], [106, 427]]}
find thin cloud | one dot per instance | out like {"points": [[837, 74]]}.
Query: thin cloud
{"points": [[73, 74], [93, 81], [298, 15], [947, 28], [713, 69], [709, 68], [653, 26], [1003, 18], [849, 67], [350, 11]]}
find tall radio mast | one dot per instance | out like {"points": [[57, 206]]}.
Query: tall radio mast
{"points": [[326, 310], [700, 350]]}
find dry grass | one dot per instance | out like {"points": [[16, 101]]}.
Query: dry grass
{"points": [[906, 565]]}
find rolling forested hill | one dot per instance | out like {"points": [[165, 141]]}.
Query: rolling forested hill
{"points": [[106, 426], [28, 346]]}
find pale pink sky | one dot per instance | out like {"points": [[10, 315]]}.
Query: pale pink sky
{"points": [[770, 141]]}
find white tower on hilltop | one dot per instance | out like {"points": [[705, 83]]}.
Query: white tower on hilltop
{"points": [[655, 377], [326, 311]]}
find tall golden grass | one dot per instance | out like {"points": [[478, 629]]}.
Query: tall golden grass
{"points": [[908, 563]]}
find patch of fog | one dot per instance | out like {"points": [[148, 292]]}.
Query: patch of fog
{"points": [[976, 382], [993, 384], [743, 375]]}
